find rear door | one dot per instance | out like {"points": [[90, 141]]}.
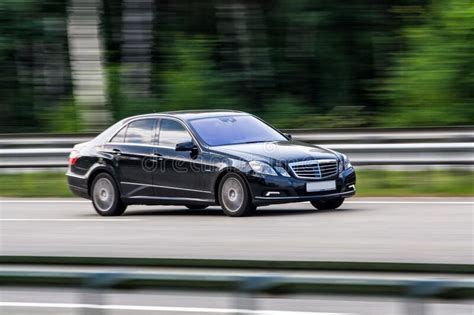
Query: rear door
{"points": [[133, 147]]}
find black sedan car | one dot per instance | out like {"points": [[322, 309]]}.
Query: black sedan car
{"points": [[202, 158]]}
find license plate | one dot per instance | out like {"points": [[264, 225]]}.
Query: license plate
{"points": [[321, 186]]}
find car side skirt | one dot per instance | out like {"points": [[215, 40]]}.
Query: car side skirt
{"points": [[170, 201]]}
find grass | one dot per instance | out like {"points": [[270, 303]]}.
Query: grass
{"points": [[47, 184], [369, 183], [415, 183]]}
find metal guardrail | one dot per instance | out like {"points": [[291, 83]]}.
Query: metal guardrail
{"points": [[453, 289], [247, 287], [369, 147]]}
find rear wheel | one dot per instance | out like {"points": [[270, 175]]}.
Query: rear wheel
{"points": [[196, 207], [328, 204], [234, 196], [106, 196]]}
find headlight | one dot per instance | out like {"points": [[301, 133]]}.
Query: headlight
{"points": [[282, 171], [347, 163], [262, 168]]}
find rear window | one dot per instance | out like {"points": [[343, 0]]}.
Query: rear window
{"points": [[109, 132], [140, 131], [120, 136]]}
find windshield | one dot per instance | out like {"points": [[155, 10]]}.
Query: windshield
{"points": [[227, 130]]}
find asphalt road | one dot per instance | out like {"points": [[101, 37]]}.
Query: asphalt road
{"points": [[61, 302], [386, 229]]}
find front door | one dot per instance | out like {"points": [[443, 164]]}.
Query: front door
{"points": [[179, 174]]}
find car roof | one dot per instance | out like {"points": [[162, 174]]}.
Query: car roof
{"points": [[191, 114]]}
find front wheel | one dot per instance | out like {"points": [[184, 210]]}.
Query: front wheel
{"points": [[106, 196], [234, 196], [328, 204]]}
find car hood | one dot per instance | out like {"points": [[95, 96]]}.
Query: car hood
{"points": [[274, 152]]}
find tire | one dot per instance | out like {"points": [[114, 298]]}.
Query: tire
{"points": [[234, 196], [105, 196], [328, 204], [196, 207]]}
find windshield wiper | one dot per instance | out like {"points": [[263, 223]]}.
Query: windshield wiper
{"points": [[253, 142]]}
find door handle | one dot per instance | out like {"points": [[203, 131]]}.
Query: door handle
{"points": [[116, 152], [158, 156]]}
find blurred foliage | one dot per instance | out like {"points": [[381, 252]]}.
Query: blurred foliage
{"points": [[63, 119], [47, 184], [191, 80], [296, 63], [432, 83], [369, 183], [33, 43], [415, 183]]}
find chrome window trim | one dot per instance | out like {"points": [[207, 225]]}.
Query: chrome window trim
{"points": [[158, 117], [126, 126], [166, 187], [133, 144]]}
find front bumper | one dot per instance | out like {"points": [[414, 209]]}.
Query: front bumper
{"points": [[267, 190]]}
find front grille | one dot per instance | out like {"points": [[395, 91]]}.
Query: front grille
{"points": [[314, 169]]}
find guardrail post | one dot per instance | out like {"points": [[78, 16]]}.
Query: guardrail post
{"points": [[93, 292], [423, 290], [245, 303], [415, 307], [248, 289], [91, 298]]}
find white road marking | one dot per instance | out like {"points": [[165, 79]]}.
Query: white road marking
{"points": [[72, 220], [161, 308], [412, 202], [349, 201], [42, 201]]}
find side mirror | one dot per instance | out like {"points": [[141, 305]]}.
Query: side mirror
{"points": [[185, 146], [288, 136]]}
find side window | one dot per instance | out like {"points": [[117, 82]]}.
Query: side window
{"points": [[120, 136], [140, 131], [172, 133]]}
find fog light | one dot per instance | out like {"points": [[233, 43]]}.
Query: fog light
{"points": [[272, 193], [352, 187]]}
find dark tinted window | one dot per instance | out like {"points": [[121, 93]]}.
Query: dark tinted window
{"points": [[172, 133], [120, 136], [140, 131]]}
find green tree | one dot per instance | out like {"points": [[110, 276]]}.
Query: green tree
{"points": [[432, 82], [190, 79]]}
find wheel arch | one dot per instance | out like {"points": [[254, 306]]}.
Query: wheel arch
{"points": [[95, 172], [221, 175]]}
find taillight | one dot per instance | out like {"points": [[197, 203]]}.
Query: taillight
{"points": [[73, 156]]}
